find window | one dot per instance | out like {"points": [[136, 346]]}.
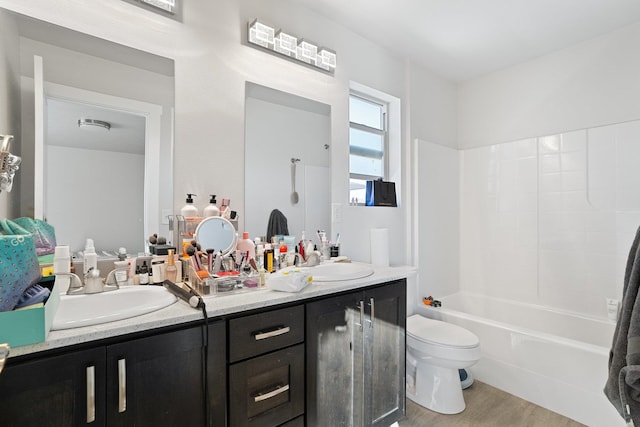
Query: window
{"points": [[368, 144]]}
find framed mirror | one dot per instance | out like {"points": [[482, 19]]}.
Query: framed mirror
{"points": [[287, 151], [113, 183], [216, 232]]}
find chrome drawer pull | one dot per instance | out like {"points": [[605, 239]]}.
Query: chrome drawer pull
{"points": [[4, 355], [274, 333], [273, 393], [373, 312], [91, 394], [122, 385]]}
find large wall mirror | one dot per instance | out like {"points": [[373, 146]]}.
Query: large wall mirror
{"points": [[111, 180], [287, 150]]}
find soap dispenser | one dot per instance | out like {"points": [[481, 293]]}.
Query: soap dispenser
{"points": [[212, 208], [189, 210]]}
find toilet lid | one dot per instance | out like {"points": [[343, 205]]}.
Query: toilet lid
{"points": [[442, 333]]}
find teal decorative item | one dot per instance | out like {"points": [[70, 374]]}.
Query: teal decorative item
{"points": [[43, 233], [19, 267]]}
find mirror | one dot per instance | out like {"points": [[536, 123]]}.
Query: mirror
{"points": [[286, 133], [216, 232], [114, 185]]}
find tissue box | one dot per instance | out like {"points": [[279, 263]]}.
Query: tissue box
{"points": [[29, 325]]}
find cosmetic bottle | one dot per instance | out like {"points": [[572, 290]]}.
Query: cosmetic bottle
{"points": [[144, 273], [121, 272], [259, 252], [90, 257], [62, 264], [211, 209], [189, 210], [301, 249], [157, 267], [268, 258], [136, 276], [225, 209], [246, 245]]}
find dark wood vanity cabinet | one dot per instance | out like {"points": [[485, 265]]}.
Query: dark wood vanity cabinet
{"points": [[159, 380], [54, 391], [266, 370], [356, 357], [335, 360], [149, 381]]}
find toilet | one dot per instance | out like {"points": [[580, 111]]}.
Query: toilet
{"points": [[435, 352]]}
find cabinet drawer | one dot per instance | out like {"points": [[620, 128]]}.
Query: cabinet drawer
{"points": [[267, 390], [297, 422], [260, 333]]}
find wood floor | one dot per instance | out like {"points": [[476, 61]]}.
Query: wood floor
{"points": [[490, 407]]}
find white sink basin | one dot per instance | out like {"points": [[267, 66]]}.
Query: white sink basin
{"points": [[337, 271], [76, 311]]}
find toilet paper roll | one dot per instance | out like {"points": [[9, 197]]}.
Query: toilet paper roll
{"points": [[380, 247]]}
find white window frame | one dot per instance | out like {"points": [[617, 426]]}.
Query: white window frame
{"points": [[384, 132]]}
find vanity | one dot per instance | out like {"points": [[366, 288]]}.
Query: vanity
{"points": [[332, 354]]}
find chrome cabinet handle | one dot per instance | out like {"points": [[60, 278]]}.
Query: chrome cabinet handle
{"points": [[4, 355], [272, 393], [373, 312], [91, 394], [274, 333], [122, 385], [361, 307]]}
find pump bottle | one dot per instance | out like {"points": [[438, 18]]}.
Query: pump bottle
{"points": [[211, 209], [189, 210]]}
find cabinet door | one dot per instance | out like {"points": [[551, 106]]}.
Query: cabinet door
{"points": [[157, 380], [217, 374], [334, 353], [65, 390], [385, 354]]}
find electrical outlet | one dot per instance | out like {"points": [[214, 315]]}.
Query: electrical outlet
{"points": [[336, 212]]}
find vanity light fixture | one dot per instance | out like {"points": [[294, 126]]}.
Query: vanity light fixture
{"points": [[168, 5], [94, 124], [277, 41]]}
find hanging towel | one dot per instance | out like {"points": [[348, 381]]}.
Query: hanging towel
{"points": [[277, 224], [623, 384]]}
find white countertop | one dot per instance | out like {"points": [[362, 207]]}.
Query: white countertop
{"points": [[181, 312]]}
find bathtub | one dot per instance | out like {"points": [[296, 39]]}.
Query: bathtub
{"points": [[555, 359]]}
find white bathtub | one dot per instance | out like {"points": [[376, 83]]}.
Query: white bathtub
{"points": [[555, 359]]}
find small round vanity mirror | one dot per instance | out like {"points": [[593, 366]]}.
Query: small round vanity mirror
{"points": [[216, 232]]}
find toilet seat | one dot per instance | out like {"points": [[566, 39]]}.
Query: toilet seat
{"points": [[436, 332]]}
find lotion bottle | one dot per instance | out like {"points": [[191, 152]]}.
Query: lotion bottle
{"points": [[211, 209], [189, 210], [246, 245], [90, 257]]}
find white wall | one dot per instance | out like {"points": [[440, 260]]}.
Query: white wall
{"points": [[112, 216], [550, 220], [437, 222], [10, 110], [213, 63], [591, 84]]}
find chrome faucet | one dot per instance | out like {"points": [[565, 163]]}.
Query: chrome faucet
{"points": [[93, 283]]}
